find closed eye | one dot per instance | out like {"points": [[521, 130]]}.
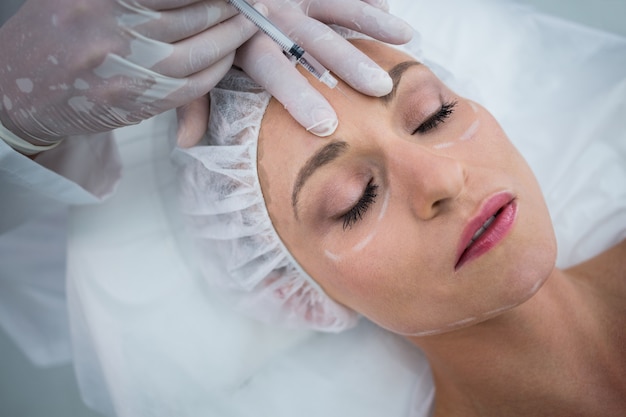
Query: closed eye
{"points": [[360, 208], [437, 118]]}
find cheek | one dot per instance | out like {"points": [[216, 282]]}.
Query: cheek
{"points": [[383, 276], [474, 133], [466, 125]]}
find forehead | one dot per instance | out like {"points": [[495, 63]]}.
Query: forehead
{"points": [[277, 123], [284, 146], [384, 55]]}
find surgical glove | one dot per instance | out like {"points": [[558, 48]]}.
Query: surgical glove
{"points": [[305, 22], [73, 67]]}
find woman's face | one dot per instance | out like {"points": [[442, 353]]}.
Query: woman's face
{"points": [[386, 214]]}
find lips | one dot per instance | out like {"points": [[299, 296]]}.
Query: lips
{"points": [[484, 231]]}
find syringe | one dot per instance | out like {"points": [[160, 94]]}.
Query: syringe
{"points": [[292, 49]]}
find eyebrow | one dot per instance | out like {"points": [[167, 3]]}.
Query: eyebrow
{"points": [[335, 149], [396, 75], [323, 156]]}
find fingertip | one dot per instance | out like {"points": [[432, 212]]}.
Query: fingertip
{"points": [[186, 139], [321, 119], [379, 4], [183, 137], [377, 81], [192, 122], [324, 127], [405, 31]]}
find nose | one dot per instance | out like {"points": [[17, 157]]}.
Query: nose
{"points": [[429, 180]]}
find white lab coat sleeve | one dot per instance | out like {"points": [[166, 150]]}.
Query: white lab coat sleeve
{"points": [[82, 170], [34, 200]]}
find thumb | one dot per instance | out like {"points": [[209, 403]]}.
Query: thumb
{"points": [[193, 119]]}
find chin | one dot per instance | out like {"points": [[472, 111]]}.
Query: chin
{"points": [[533, 268], [508, 288], [530, 258]]}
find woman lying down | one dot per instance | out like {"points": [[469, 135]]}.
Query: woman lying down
{"points": [[421, 216]]}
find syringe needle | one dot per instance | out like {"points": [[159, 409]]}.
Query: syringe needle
{"points": [[289, 47]]}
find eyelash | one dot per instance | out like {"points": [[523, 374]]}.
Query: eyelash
{"points": [[369, 194], [436, 119], [360, 208]]}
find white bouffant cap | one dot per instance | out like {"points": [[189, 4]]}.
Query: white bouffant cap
{"points": [[222, 199]]}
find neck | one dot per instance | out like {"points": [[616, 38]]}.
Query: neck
{"points": [[552, 355]]}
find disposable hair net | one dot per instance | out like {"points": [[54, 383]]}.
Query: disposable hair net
{"points": [[221, 196]]}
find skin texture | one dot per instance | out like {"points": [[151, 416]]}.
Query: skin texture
{"points": [[506, 333]]}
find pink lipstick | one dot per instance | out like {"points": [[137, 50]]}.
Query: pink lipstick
{"points": [[485, 230]]}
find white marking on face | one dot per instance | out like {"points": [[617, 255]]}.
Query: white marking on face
{"points": [[443, 145], [332, 256], [383, 209], [359, 246], [536, 287], [467, 135], [471, 131], [362, 244], [447, 327], [473, 106], [427, 332], [499, 310], [463, 322]]}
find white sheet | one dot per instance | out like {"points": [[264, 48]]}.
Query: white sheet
{"points": [[152, 340]]}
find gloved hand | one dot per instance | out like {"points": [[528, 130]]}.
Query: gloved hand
{"points": [[71, 67], [81, 66], [303, 21]]}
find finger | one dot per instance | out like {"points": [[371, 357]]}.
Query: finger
{"points": [[205, 49], [360, 16], [379, 4], [193, 116], [193, 120], [343, 58], [264, 62], [178, 24], [160, 5], [145, 91]]}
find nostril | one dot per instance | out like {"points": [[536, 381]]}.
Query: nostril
{"points": [[440, 206]]}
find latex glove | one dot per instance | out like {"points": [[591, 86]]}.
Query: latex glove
{"points": [[304, 22], [71, 67]]}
